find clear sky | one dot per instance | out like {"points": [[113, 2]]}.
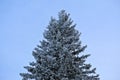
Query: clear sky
{"points": [[22, 23]]}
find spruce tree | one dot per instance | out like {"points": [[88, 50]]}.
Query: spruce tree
{"points": [[59, 56]]}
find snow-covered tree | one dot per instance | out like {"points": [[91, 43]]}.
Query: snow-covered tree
{"points": [[59, 57]]}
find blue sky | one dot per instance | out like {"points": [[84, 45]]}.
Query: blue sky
{"points": [[22, 23]]}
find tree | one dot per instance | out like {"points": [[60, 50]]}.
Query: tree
{"points": [[59, 55]]}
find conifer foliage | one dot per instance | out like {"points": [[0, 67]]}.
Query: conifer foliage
{"points": [[59, 57]]}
